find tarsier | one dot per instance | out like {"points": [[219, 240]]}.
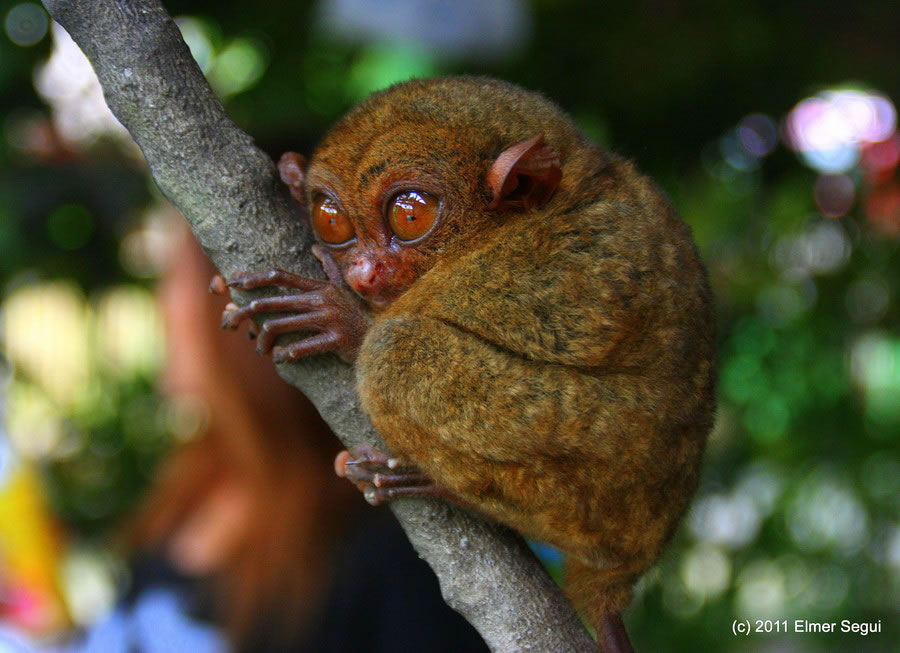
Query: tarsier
{"points": [[530, 323]]}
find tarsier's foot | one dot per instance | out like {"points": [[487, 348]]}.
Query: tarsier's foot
{"points": [[381, 477]]}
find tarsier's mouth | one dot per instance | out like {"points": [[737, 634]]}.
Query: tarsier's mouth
{"points": [[379, 302], [379, 298]]}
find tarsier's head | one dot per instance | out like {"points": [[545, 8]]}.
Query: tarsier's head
{"points": [[422, 167]]}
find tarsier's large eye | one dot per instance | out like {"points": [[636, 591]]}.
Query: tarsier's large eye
{"points": [[412, 213], [330, 221]]}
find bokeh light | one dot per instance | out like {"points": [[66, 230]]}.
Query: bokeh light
{"points": [[706, 571], [88, 580], [883, 209], [68, 84], [444, 27], [834, 195], [197, 34], [822, 248], [880, 475], [735, 152], [758, 134], [66, 351], [232, 65], [868, 300], [238, 66], [829, 129], [761, 591], [145, 250], [875, 365], [727, 520], [45, 336], [380, 66], [783, 303], [893, 549], [34, 425], [26, 24], [128, 331], [825, 512]]}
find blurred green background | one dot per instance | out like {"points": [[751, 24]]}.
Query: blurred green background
{"points": [[771, 125]]}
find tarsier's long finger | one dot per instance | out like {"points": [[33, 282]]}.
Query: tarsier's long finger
{"points": [[233, 316], [319, 343], [362, 476], [378, 495], [273, 278], [271, 329], [385, 466], [231, 320], [328, 264]]}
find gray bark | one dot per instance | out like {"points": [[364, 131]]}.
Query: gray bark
{"points": [[230, 193]]}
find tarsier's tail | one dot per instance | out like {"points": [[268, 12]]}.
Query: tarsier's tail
{"points": [[600, 595]]}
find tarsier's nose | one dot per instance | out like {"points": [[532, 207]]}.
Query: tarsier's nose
{"points": [[364, 276]]}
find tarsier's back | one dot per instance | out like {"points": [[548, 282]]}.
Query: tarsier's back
{"points": [[558, 371]]}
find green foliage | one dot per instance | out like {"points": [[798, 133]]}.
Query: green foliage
{"points": [[113, 452]]}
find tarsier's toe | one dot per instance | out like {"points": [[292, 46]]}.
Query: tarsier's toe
{"points": [[378, 495], [340, 463], [373, 496]]}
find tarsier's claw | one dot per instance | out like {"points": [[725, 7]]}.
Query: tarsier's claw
{"points": [[280, 355], [218, 285], [340, 461], [231, 317]]}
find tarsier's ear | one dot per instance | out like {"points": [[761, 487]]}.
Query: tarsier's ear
{"points": [[291, 166], [525, 174]]}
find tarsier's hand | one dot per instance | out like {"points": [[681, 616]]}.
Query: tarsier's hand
{"points": [[336, 319]]}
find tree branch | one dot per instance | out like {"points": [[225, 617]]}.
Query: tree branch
{"points": [[243, 216]]}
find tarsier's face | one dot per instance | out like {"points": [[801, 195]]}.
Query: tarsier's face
{"points": [[377, 249], [421, 169], [382, 210]]}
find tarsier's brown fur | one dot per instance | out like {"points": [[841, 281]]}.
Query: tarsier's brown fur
{"points": [[552, 367]]}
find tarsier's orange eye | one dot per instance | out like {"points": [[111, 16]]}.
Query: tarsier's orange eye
{"points": [[412, 213], [329, 221]]}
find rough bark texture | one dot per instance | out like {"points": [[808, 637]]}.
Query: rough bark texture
{"points": [[230, 193]]}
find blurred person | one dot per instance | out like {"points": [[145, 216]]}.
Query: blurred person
{"points": [[248, 540]]}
